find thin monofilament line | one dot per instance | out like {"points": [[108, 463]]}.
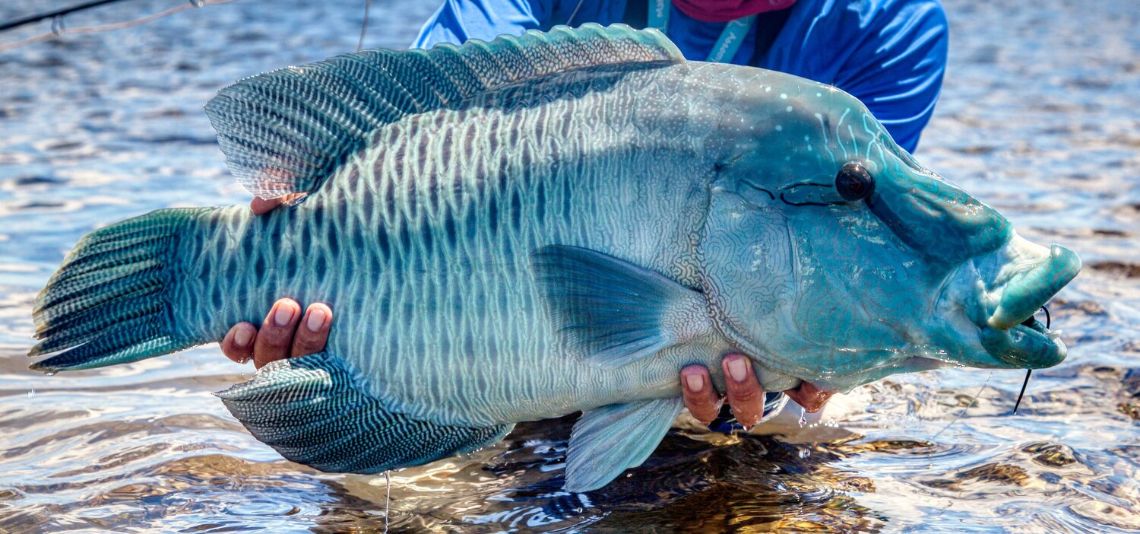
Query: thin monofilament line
{"points": [[1028, 372], [363, 26], [59, 31], [1021, 394], [973, 402], [570, 19], [387, 498], [54, 15]]}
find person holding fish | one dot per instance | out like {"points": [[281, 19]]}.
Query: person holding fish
{"points": [[558, 222], [889, 54]]}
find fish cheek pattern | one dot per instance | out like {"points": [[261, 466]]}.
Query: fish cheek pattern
{"points": [[748, 263], [854, 275]]}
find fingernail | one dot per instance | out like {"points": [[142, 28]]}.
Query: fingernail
{"points": [[695, 382], [738, 369], [283, 315], [317, 318], [242, 337]]}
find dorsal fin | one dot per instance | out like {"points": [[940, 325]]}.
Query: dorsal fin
{"points": [[286, 131]]}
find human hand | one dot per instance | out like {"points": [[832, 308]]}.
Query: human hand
{"points": [[284, 333], [279, 336], [745, 396], [261, 206]]}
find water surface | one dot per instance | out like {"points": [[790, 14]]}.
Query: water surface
{"points": [[1038, 118]]}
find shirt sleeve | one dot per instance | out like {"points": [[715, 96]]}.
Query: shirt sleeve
{"points": [[457, 21], [896, 68]]}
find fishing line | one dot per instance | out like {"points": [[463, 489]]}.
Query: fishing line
{"points": [[967, 407], [1028, 372], [364, 26], [58, 29], [387, 498], [1022, 392], [574, 13], [1048, 324], [57, 14]]}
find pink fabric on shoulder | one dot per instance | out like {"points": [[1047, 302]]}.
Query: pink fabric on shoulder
{"points": [[726, 10]]}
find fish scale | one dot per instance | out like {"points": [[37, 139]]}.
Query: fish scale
{"points": [[502, 341], [475, 185]]}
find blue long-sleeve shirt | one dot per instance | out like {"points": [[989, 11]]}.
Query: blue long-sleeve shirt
{"points": [[890, 54]]}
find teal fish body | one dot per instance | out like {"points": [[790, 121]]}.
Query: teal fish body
{"points": [[433, 279], [521, 229]]}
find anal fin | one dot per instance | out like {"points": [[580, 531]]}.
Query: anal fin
{"points": [[608, 440], [313, 410]]}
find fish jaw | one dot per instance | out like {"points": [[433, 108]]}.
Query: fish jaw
{"points": [[996, 294]]}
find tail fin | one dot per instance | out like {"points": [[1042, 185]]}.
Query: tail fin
{"points": [[110, 302]]}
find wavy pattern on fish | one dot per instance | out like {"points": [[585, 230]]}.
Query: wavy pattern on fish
{"points": [[521, 229]]}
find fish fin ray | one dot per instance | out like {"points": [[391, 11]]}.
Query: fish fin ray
{"points": [[284, 132], [608, 440], [315, 410], [111, 301], [613, 311]]}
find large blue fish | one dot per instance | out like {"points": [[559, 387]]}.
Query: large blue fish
{"points": [[561, 221]]}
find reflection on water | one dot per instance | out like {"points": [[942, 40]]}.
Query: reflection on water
{"points": [[1038, 118]]}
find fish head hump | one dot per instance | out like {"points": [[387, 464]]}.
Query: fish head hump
{"points": [[832, 256]]}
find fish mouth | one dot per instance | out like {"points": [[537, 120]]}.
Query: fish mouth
{"points": [[1023, 277], [1028, 345]]}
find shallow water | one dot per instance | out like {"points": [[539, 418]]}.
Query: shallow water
{"points": [[1038, 118]]}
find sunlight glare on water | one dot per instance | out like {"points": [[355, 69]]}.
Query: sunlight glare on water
{"points": [[1038, 118]]}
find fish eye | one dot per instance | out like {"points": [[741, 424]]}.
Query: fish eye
{"points": [[853, 182]]}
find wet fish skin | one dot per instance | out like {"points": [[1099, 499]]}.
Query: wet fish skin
{"points": [[455, 256], [563, 243]]}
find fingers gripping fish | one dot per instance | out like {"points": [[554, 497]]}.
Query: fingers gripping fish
{"points": [[561, 221]]}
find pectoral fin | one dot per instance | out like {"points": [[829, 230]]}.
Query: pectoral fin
{"points": [[611, 439], [614, 311]]}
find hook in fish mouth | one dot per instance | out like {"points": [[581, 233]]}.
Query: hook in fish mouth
{"points": [[1031, 322], [1029, 344]]}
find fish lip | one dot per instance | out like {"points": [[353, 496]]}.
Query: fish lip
{"points": [[1025, 346], [1037, 330], [1029, 276]]}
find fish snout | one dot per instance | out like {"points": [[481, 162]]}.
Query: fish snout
{"points": [[937, 219], [1029, 289]]}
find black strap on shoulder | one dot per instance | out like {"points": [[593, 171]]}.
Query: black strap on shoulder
{"points": [[768, 25]]}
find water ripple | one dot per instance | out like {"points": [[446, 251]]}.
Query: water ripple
{"points": [[1037, 118]]}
